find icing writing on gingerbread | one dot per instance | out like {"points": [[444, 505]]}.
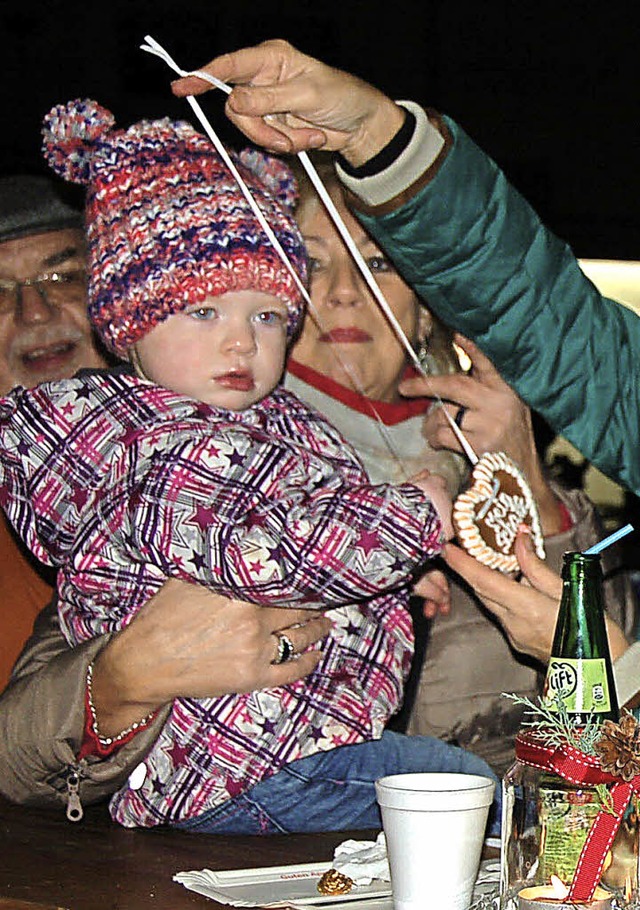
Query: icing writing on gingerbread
{"points": [[504, 516]]}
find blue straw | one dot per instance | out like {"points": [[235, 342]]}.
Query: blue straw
{"points": [[612, 538]]}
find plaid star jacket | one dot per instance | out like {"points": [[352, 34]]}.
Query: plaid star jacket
{"points": [[120, 484]]}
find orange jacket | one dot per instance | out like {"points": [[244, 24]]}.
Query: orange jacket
{"points": [[23, 593]]}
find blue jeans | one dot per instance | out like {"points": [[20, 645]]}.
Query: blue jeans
{"points": [[334, 791]]}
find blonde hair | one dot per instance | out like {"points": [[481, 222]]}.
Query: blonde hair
{"points": [[438, 354], [436, 349]]}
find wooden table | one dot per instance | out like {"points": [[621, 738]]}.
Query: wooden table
{"points": [[97, 865]]}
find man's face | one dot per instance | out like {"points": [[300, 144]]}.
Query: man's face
{"points": [[40, 339]]}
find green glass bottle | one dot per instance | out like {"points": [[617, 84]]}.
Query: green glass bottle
{"points": [[546, 818], [581, 675], [580, 669]]}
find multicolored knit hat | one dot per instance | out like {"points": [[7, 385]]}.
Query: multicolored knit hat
{"points": [[167, 224]]}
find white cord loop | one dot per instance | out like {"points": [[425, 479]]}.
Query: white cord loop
{"points": [[154, 48]]}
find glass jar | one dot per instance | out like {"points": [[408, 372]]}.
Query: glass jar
{"points": [[545, 822]]}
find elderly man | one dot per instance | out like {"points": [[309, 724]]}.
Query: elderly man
{"points": [[44, 334], [212, 646]]}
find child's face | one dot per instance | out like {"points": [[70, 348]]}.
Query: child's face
{"points": [[228, 351]]}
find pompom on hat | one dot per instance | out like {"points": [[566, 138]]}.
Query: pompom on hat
{"points": [[167, 224]]}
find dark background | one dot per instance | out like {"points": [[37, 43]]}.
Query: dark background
{"points": [[552, 91]]}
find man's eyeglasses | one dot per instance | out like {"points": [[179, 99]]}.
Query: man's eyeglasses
{"points": [[55, 288]]}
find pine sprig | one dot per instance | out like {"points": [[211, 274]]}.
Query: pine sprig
{"points": [[555, 726], [605, 799]]}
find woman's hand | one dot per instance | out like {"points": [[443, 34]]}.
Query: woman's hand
{"points": [[187, 641], [527, 610], [287, 101], [494, 419]]}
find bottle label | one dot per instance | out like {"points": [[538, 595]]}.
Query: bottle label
{"points": [[581, 684], [566, 817]]}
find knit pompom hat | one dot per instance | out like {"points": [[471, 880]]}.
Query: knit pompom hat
{"points": [[167, 224]]}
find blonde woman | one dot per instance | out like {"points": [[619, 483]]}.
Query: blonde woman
{"points": [[348, 363]]}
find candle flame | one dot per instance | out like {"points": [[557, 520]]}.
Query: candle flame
{"points": [[559, 888]]}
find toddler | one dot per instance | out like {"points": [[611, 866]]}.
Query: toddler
{"points": [[192, 462]]}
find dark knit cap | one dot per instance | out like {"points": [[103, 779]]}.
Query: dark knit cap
{"points": [[34, 205]]}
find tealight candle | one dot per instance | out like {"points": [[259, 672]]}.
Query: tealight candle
{"points": [[545, 897]]}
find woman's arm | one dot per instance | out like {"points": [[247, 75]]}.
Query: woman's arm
{"points": [[183, 642], [42, 720], [189, 642], [465, 240], [328, 108], [527, 611]]}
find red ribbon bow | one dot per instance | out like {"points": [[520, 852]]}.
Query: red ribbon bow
{"points": [[579, 768]]}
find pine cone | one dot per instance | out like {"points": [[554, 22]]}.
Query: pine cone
{"points": [[619, 747]]}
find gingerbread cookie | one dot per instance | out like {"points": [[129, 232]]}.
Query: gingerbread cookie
{"points": [[487, 515]]}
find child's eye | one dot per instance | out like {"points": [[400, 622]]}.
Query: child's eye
{"points": [[272, 317], [203, 312], [314, 265]]}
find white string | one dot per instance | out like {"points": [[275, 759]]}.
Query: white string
{"points": [[157, 50], [374, 287], [154, 48], [358, 258]]}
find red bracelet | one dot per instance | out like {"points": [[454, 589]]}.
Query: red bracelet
{"points": [[93, 743]]}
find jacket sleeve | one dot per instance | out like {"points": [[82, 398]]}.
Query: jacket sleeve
{"points": [[255, 520], [42, 722], [476, 251]]}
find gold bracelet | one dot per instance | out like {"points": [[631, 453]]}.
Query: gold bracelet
{"points": [[106, 741]]}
